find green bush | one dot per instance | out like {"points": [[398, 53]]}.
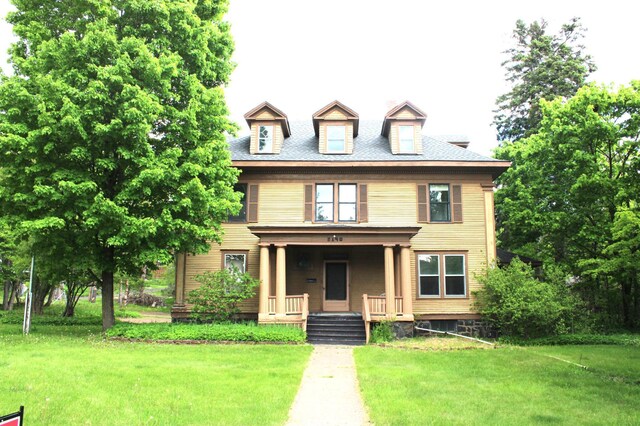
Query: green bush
{"points": [[247, 332], [517, 304], [382, 332], [220, 292], [577, 339]]}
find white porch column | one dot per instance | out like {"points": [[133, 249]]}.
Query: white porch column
{"points": [[265, 274], [405, 278], [389, 281], [281, 282]]}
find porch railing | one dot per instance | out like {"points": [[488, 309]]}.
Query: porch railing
{"points": [[296, 308], [378, 305], [366, 317]]}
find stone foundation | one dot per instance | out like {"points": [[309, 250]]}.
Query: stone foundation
{"points": [[467, 327]]}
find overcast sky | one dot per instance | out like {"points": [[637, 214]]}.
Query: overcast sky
{"points": [[443, 56]]}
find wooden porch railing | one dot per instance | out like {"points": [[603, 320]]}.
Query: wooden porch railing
{"points": [[378, 306], [296, 308]]}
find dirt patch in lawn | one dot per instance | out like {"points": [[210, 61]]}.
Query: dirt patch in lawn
{"points": [[436, 344]]}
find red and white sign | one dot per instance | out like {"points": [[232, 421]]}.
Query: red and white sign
{"points": [[13, 419]]}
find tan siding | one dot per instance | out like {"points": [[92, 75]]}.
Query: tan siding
{"points": [[281, 204], [278, 139], [393, 138], [405, 113], [392, 203], [265, 115], [418, 137], [335, 114], [322, 138]]}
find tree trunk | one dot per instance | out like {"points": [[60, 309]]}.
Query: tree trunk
{"points": [[108, 316], [626, 303], [5, 295], [50, 296], [126, 293]]}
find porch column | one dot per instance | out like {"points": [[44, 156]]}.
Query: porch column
{"points": [[389, 282], [405, 278], [490, 224], [281, 282], [265, 274]]}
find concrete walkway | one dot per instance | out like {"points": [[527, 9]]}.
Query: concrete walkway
{"points": [[329, 392]]}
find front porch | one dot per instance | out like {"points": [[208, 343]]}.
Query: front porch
{"points": [[334, 269]]}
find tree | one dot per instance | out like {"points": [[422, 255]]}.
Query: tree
{"points": [[112, 130], [571, 195], [539, 66], [516, 303]]}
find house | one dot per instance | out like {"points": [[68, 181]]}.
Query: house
{"points": [[344, 215]]}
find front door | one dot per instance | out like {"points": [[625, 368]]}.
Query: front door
{"points": [[336, 286]]}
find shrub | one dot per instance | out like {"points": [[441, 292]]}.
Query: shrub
{"points": [[517, 304], [247, 332], [382, 332], [220, 292]]}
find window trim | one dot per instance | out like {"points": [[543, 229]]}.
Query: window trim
{"points": [[336, 202], [224, 254], [429, 203], [344, 139], [270, 150], [442, 273], [413, 139]]}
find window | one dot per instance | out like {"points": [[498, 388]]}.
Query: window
{"points": [[406, 139], [346, 207], [435, 281], [454, 279], [336, 139], [237, 261], [429, 271], [439, 210], [242, 214], [265, 139]]}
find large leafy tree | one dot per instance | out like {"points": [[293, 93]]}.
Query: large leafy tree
{"points": [[572, 194], [112, 130], [539, 66]]}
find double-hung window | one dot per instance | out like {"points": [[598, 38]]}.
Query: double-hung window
{"points": [[406, 138], [439, 204], [442, 275], [336, 201], [336, 139], [235, 261], [265, 139]]}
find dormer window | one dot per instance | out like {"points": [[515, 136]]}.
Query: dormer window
{"points": [[402, 126], [336, 126], [269, 128], [265, 139], [336, 139], [406, 141]]}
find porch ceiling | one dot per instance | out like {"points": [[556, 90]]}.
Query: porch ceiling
{"points": [[335, 235]]}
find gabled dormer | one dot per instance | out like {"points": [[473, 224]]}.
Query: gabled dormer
{"points": [[269, 127], [335, 126], [403, 127]]}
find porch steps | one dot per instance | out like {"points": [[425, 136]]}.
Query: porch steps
{"points": [[338, 329]]}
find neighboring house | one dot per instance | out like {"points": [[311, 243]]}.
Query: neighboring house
{"points": [[341, 215]]}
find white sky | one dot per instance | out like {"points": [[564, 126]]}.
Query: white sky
{"points": [[443, 56]]}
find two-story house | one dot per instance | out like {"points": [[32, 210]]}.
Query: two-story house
{"points": [[364, 217]]}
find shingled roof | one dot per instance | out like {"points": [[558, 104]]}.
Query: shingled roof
{"points": [[369, 146]]}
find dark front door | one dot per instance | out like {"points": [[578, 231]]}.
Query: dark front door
{"points": [[336, 286]]}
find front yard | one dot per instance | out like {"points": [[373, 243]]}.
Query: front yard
{"points": [[69, 375], [510, 385]]}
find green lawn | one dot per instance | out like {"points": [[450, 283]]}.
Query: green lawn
{"points": [[69, 375], [501, 386]]}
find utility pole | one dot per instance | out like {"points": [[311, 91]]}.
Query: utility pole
{"points": [[26, 325]]}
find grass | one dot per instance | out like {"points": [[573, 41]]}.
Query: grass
{"points": [[507, 385], [436, 343], [70, 375]]}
